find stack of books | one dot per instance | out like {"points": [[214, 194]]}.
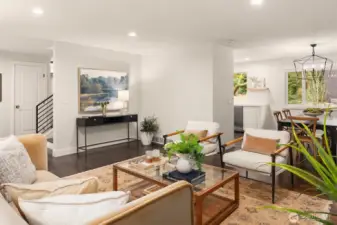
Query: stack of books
{"points": [[194, 177]]}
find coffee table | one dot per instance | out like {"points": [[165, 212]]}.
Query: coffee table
{"points": [[206, 194]]}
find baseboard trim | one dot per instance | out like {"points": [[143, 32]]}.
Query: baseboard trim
{"points": [[72, 150]]}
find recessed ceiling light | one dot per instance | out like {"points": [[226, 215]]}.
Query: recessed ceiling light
{"points": [[247, 59], [38, 11], [132, 34], [256, 2]]}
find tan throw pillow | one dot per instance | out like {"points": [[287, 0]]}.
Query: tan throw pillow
{"points": [[51, 188], [260, 145], [199, 133]]}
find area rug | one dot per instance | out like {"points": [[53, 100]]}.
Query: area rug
{"points": [[253, 194]]}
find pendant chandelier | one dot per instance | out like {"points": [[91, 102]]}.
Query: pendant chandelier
{"points": [[313, 67]]}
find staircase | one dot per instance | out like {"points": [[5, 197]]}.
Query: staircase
{"points": [[44, 119]]}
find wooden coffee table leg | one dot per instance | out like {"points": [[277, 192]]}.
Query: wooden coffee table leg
{"points": [[237, 190], [198, 210], [114, 180]]}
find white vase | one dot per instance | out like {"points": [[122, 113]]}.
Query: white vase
{"points": [[184, 164], [146, 138]]}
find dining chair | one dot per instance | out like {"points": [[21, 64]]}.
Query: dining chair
{"points": [[311, 123], [278, 116], [286, 113]]}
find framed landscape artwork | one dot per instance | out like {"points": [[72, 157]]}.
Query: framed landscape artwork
{"points": [[99, 86]]}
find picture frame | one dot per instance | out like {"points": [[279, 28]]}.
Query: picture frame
{"points": [[96, 86]]}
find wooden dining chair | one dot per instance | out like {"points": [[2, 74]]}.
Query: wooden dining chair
{"points": [[286, 113], [278, 116], [311, 123]]}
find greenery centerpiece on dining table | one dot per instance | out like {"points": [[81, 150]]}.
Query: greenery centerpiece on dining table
{"points": [[316, 92], [189, 152], [313, 111]]}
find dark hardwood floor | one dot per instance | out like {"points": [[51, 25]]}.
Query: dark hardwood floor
{"points": [[72, 164]]}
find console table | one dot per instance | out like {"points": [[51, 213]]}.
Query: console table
{"points": [[91, 121]]}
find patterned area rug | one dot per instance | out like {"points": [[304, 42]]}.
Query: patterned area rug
{"points": [[253, 194]]}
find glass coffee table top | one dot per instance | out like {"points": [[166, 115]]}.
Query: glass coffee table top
{"points": [[214, 175]]}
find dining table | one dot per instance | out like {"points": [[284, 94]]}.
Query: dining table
{"points": [[331, 127]]}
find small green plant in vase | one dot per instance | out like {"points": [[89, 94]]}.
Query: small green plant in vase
{"points": [[189, 152], [103, 106]]}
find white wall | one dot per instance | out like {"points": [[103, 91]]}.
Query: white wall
{"points": [[275, 73], [178, 86], [67, 59], [7, 61]]}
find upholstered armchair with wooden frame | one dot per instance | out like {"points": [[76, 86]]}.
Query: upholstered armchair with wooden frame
{"points": [[256, 162], [211, 143]]}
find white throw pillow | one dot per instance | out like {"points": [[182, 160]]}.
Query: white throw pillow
{"points": [[72, 209], [9, 143], [15, 163]]}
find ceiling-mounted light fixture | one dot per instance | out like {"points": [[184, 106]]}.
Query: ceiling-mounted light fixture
{"points": [[313, 66], [37, 11], [132, 34], [256, 2]]}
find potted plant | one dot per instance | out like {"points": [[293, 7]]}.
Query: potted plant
{"points": [[148, 127], [323, 178], [103, 106], [313, 111], [189, 152], [316, 93]]}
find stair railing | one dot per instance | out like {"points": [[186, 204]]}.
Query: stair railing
{"points": [[44, 115]]}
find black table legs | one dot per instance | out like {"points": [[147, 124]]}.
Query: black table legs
{"points": [[333, 133], [86, 146]]}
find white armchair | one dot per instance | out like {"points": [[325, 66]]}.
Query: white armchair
{"points": [[211, 143], [251, 161]]}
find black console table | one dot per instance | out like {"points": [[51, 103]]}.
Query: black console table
{"points": [[92, 121]]}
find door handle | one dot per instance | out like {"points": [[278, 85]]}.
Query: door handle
{"points": [[17, 106]]}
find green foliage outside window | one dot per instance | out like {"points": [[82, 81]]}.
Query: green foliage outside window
{"points": [[240, 84], [294, 89], [315, 88]]}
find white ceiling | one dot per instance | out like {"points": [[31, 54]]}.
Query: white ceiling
{"points": [[277, 28]]}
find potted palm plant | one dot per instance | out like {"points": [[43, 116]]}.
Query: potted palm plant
{"points": [[324, 177], [189, 152], [148, 127]]}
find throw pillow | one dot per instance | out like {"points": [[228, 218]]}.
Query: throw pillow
{"points": [[51, 188], [72, 209], [9, 143], [260, 145], [199, 133], [16, 165]]}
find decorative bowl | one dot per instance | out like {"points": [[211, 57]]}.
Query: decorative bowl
{"points": [[313, 112]]}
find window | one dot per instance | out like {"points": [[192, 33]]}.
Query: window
{"points": [[240, 84], [294, 89], [301, 91]]}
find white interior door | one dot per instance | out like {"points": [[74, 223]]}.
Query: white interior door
{"points": [[30, 89]]}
